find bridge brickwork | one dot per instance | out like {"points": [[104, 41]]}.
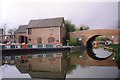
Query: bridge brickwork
{"points": [[112, 34]]}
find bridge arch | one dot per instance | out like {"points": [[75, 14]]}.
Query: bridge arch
{"points": [[90, 40]]}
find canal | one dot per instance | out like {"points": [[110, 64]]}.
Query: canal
{"points": [[83, 63]]}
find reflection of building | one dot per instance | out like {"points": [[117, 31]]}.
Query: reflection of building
{"points": [[42, 31], [51, 65]]}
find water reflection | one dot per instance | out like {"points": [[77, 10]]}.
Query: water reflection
{"points": [[63, 65], [44, 65], [83, 66], [99, 53], [93, 72], [103, 54]]}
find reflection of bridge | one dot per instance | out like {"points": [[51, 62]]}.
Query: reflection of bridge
{"points": [[89, 35], [87, 60]]}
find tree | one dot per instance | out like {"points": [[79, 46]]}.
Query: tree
{"points": [[69, 26], [84, 27], [81, 28], [11, 31]]}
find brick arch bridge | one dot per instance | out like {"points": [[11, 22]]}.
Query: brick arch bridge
{"points": [[87, 36]]}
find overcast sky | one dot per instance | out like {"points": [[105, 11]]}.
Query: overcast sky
{"points": [[95, 13]]}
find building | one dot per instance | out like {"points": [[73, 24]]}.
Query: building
{"points": [[42, 31], [6, 37], [9, 38], [20, 34], [1, 35]]}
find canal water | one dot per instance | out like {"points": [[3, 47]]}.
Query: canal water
{"points": [[83, 63]]}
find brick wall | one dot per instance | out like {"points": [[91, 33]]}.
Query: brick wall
{"points": [[17, 36], [44, 33]]}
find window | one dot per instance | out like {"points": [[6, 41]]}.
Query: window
{"points": [[29, 31], [51, 39]]}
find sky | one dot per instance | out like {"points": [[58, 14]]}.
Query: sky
{"points": [[119, 15], [97, 14]]}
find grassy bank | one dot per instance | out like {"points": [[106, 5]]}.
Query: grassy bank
{"points": [[116, 47]]}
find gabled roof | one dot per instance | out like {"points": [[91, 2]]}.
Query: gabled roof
{"points": [[45, 22], [21, 29]]}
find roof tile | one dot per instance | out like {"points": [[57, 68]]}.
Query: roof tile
{"points": [[45, 22]]}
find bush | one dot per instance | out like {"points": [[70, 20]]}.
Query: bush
{"points": [[116, 47], [74, 42]]}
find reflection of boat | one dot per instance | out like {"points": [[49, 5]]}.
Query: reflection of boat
{"points": [[10, 59], [32, 56], [33, 51]]}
